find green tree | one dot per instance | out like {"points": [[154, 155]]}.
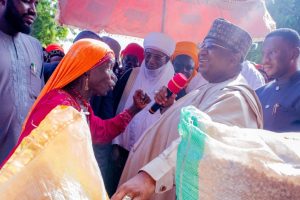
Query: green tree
{"points": [[254, 54], [286, 15], [45, 28]]}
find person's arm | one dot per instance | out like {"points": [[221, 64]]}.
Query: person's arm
{"points": [[104, 131], [155, 177], [162, 168]]}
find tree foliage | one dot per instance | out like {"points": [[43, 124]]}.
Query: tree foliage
{"points": [[255, 53], [45, 28], [286, 14]]}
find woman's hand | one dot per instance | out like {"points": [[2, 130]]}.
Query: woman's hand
{"points": [[140, 101]]}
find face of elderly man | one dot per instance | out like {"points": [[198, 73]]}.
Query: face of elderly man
{"points": [[155, 59]]}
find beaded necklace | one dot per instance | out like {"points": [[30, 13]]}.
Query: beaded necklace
{"points": [[84, 105]]}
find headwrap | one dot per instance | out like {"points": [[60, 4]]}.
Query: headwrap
{"points": [[113, 44], [53, 47], [135, 50], [82, 57], [190, 49], [160, 42], [87, 34], [231, 36]]}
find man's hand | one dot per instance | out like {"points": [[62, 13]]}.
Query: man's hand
{"points": [[140, 187], [161, 97]]}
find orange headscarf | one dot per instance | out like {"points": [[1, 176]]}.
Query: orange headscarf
{"points": [[82, 56], [190, 49]]}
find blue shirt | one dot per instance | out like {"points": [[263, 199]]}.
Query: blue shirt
{"points": [[21, 80], [280, 101]]}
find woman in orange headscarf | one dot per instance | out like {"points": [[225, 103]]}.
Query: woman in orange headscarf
{"points": [[85, 71], [185, 61]]}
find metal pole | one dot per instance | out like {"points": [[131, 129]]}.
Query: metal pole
{"points": [[163, 18]]}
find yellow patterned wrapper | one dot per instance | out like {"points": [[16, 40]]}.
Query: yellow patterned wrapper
{"points": [[56, 161]]}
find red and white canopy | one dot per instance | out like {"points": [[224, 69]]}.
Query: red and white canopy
{"points": [[181, 19]]}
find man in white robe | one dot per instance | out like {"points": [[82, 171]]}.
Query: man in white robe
{"points": [[156, 70], [227, 99]]}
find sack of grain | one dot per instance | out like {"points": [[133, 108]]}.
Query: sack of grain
{"points": [[215, 161], [56, 161]]}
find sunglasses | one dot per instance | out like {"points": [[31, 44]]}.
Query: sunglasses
{"points": [[215, 46], [156, 57]]}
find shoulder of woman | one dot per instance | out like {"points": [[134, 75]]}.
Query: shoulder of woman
{"points": [[58, 97]]}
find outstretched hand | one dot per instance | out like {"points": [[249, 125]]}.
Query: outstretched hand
{"points": [[140, 187], [140, 101]]}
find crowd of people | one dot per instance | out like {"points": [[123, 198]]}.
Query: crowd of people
{"points": [[136, 150]]}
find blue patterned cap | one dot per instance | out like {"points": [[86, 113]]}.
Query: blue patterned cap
{"points": [[231, 36]]}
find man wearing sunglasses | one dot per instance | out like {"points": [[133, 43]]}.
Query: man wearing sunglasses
{"points": [[226, 98]]}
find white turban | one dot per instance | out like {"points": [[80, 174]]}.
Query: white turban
{"points": [[160, 42]]}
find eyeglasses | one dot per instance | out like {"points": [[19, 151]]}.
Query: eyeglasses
{"points": [[156, 57], [214, 46]]}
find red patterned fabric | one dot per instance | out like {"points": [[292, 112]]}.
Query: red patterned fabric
{"points": [[102, 131], [183, 20]]}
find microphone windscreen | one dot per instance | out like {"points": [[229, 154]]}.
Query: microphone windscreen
{"points": [[177, 83]]}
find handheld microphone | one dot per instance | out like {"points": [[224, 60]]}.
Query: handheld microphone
{"points": [[174, 86]]}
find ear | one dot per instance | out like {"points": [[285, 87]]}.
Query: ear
{"points": [[293, 54], [235, 59]]}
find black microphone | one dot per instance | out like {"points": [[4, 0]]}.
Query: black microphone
{"points": [[174, 86]]}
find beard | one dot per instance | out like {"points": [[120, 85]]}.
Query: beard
{"points": [[15, 19]]}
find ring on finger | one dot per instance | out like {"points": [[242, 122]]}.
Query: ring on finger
{"points": [[126, 197]]}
